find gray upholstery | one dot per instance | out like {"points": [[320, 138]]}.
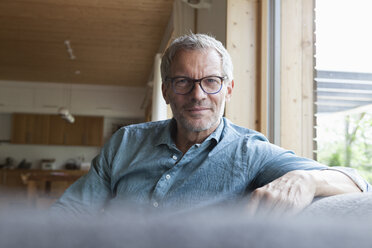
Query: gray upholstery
{"points": [[356, 205], [229, 227]]}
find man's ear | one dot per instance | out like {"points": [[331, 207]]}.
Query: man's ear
{"points": [[229, 89], [165, 93]]}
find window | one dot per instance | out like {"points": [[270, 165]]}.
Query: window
{"points": [[344, 84]]}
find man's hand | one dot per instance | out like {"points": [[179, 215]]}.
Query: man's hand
{"points": [[289, 193], [295, 190]]}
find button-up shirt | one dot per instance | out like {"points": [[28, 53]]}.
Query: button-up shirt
{"points": [[142, 167]]}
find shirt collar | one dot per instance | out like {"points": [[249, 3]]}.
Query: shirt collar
{"points": [[165, 137], [216, 135], [167, 134], [228, 134]]}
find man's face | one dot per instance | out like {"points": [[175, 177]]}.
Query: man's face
{"points": [[197, 111]]}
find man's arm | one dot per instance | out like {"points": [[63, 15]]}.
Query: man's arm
{"points": [[296, 189], [89, 194]]}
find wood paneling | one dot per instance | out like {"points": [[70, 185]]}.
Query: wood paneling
{"points": [[86, 130], [53, 130], [75, 132], [114, 41], [90, 135], [247, 44], [57, 130], [263, 67], [297, 76], [30, 129], [242, 44]]}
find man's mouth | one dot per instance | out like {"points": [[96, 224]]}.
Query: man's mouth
{"points": [[197, 109]]}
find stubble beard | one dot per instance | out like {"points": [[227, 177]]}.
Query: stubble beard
{"points": [[191, 126]]}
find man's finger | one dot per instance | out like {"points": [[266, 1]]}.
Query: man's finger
{"points": [[253, 203]]}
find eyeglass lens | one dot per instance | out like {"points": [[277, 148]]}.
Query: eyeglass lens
{"points": [[184, 85]]}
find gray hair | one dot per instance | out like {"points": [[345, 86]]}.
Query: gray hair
{"points": [[195, 42]]}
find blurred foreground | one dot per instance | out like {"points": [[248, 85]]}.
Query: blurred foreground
{"points": [[339, 221]]}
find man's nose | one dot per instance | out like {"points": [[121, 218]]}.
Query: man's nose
{"points": [[198, 92]]}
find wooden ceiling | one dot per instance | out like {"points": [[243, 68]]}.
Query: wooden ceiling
{"points": [[114, 41]]}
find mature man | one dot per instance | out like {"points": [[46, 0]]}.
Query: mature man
{"points": [[199, 158]]}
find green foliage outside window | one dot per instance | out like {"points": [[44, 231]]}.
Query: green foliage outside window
{"points": [[346, 140]]}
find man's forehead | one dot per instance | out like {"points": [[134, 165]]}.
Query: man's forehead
{"points": [[208, 56], [200, 61], [201, 51]]}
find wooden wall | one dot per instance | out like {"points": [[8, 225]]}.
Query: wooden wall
{"points": [[297, 76], [247, 44], [243, 45]]}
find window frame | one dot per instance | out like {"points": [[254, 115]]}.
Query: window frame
{"points": [[247, 23]]}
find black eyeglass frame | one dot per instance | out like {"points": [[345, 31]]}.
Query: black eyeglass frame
{"points": [[195, 81]]}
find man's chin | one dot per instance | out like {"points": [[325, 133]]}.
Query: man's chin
{"points": [[198, 129], [197, 126]]}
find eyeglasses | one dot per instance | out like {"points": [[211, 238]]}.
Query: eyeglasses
{"points": [[184, 85]]}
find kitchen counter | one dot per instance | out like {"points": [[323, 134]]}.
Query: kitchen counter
{"points": [[38, 188]]}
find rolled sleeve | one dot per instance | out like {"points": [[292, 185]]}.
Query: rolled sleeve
{"points": [[363, 185]]}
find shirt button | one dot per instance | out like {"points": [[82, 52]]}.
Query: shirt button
{"points": [[167, 176], [174, 157], [155, 204]]}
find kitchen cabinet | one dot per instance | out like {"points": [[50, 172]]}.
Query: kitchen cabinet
{"points": [[47, 98], [107, 101], [30, 129], [85, 131], [90, 125], [75, 132], [15, 97], [50, 97], [53, 130], [33, 97], [57, 131]]}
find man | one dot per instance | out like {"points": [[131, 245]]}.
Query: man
{"points": [[199, 158]]}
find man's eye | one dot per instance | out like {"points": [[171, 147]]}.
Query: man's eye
{"points": [[181, 81], [211, 80]]}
